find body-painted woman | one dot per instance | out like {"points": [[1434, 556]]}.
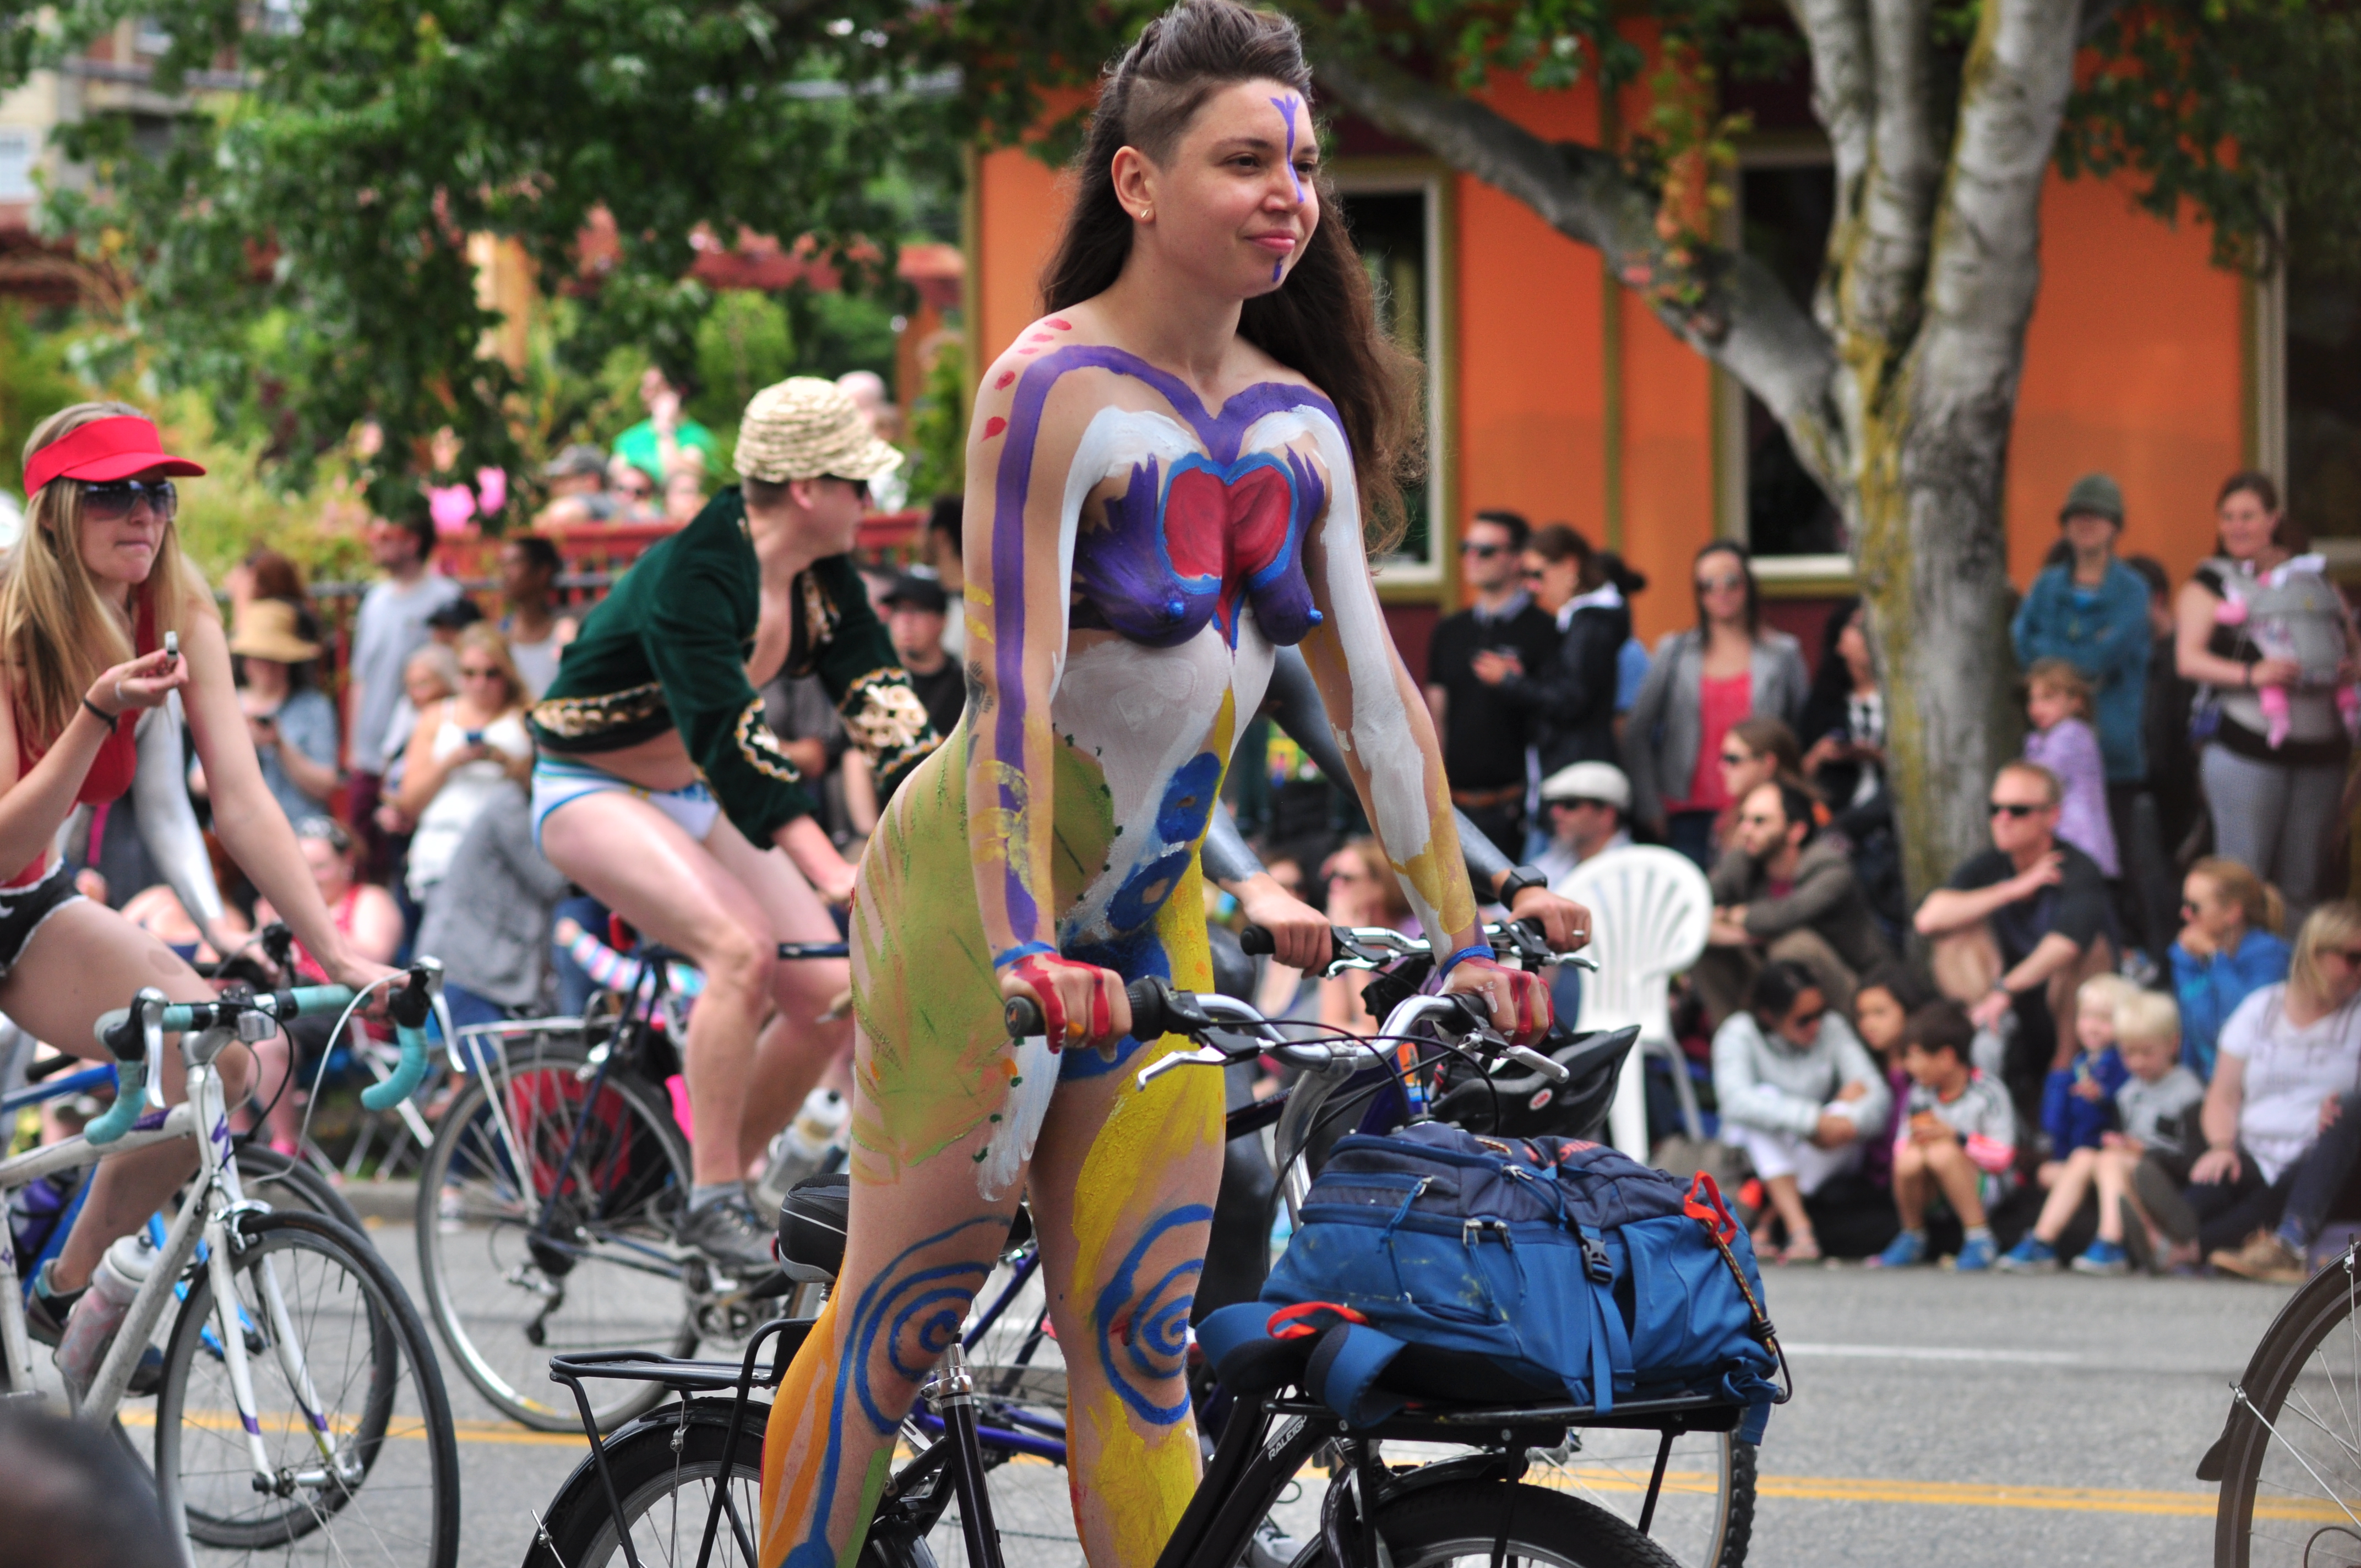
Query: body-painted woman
{"points": [[1166, 480]]}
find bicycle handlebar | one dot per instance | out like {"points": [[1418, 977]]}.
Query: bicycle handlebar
{"points": [[134, 1035]]}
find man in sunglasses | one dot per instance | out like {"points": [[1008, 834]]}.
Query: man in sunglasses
{"points": [[1483, 733], [2019, 926]]}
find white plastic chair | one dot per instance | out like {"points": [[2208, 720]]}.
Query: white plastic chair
{"points": [[1649, 909]]}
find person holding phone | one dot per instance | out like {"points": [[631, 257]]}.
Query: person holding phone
{"points": [[94, 604], [462, 749], [292, 722]]}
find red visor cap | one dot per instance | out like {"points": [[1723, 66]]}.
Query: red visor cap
{"points": [[103, 449]]}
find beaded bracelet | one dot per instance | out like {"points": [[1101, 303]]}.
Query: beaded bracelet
{"points": [[1021, 950]]}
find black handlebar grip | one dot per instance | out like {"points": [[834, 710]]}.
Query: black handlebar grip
{"points": [[1023, 1017], [127, 1041], [1256, 943], [1151, 1013], [412, 1004]]}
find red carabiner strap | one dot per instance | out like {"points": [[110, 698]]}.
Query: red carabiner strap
{"points": [[1710, 1211], [1286, 1323]]}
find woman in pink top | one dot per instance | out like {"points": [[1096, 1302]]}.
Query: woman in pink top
{"points": [[1702, 682]]}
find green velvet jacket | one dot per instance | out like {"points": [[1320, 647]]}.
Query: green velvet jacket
{"points": [[667, 649]]}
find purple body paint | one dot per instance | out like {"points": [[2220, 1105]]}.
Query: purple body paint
{"points": [[1223, 434], [1287, 107]]}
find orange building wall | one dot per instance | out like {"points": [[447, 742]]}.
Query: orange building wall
{"points": [[1019, 204], [1667, 468], [2134, 364], [1531, 425]]}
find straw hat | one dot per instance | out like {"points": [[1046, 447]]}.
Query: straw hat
{"points": [[266, 629], [804, 428]]}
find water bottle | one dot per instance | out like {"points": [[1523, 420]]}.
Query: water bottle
{"points": [[91, 1326], [804, 1144]]}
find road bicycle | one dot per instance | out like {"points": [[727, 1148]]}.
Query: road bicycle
{"points": [[301, 1415], [2288, 1458], [663, 1474], [550, 1201]]}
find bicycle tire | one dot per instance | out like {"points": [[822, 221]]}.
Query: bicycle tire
{"points": [[398, 1506], [1705, 1510], [1460, 1523], [2261, 1467], [468, 1185], [650, 1472]]}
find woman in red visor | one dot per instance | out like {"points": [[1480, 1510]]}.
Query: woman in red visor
{"points": [[86, 598]]}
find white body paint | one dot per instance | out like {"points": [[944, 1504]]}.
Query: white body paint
{"points": [[1380, 732]]}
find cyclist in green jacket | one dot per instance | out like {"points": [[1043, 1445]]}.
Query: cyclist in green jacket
{"points": [[663, 792]]}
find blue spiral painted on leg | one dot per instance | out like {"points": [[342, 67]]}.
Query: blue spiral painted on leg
{"points": [[932, 1302], [1144, 1334]]}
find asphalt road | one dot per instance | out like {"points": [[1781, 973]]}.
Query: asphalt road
{"points": [[1937, 1420]]}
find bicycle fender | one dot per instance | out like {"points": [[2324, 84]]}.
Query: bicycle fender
{"points": [[2335, 1279]]}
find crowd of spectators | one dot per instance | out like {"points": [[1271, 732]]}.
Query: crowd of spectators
{"points": [[2124, 1034]]}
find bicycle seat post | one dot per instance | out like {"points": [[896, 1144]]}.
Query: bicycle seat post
{"points": [[951, 1394]]}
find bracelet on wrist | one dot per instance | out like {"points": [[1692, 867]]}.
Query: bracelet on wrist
{"points": [[109, 719], [1021, 950], [1480, 950]]}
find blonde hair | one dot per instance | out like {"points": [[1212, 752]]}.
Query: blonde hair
{"points": [[2107, 991], [483, 637], [2329, 926], [2058, 675], [2236, 881], [2050, 783], [444, 662], [2149, 1016], [57, 630]]}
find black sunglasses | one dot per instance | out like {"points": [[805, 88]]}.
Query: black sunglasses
{"points": [[2014, 808], [859, 486], [1481, 551], [115, 498]]}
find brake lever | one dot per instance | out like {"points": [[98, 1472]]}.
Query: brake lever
{"points": [[1204, 1056], [1555, 1071]]}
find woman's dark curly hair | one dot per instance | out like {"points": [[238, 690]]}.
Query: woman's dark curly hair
{"points": [[1322, 322]]}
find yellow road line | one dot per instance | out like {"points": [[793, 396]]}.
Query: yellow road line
{"points": [[1806, 1488]]}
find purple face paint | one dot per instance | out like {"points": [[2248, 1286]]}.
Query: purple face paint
{"points": [[1287, 107], [1223, 432]]}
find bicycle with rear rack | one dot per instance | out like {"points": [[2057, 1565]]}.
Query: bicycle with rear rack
{"points": [[656, 1489], [300, 1414], [551, 1198]]}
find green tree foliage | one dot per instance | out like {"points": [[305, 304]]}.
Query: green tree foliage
{"points": [[301, 241], [36, 381]]}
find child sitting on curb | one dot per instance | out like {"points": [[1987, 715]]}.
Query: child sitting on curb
{"points": [[2077, 1100], [1959, 1140], [1881, 1005], [2154, 1101]]}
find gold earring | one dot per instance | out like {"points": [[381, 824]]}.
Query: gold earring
{"points": [[1146, 214]]}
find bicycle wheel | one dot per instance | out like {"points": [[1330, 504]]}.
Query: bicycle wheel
{"points": [[666, 1467], [1705, 1510], [522, 1261], [1460, 1524], [387, 1492], [2292, 1457]]}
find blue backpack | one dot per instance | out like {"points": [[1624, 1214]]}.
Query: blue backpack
{"points": [[1461, 1268]]}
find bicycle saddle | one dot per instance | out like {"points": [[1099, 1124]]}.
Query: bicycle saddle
{"points": [[1520, 1103], [812, 1223]]}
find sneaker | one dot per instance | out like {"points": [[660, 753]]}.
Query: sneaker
{"points": [[1977, 1253], [44, 1315], [2161, 1197], [2030, 1255], [729, 1234], [2103, 1257], [1901, 1252], [2266, 1257]]}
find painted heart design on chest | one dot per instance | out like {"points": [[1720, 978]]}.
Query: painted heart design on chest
{"points": [[1180, 548]]}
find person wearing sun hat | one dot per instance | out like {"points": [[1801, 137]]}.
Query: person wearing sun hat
{"points": [[292, 721], [660, 789], [89, 596]]}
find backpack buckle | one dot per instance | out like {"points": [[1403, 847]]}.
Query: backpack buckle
{"points": [[1594, 1261]]}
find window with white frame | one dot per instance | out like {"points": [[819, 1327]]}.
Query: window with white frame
{"points": [[1395, 221]]}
